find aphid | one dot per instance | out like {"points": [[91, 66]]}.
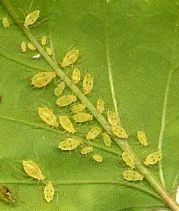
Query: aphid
{"points": [[131, 175], [48, 116], [100, 105], [128, 159], [69, 144], [119, 132], [41, 79], [70, 57], [142, 138], [32, 170], [31, 18], [5, 194], [98, 158], [106, 139], [78, 107], [153, 158], [44, 40], [66, 100], [112, 118], [59, 89], [93, 133], [36, 56], [177, 195], [82, 117], [49, 51], [87, 83], [66, 124], [5, 22], [23, 46], [49, 191], [76, 75], [31, 46], [86, 150]]}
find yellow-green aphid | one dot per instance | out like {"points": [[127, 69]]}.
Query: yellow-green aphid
{"points": [[100, 105], [32, 170], [70, 57], [87, 83], [98, 158], [86, 150], [59, 89], [44, 40], [106, 139], [78, 108], [131, 175], [112, 118], [31, 46], [128, 159], [49, 51], [153, 158], [93, 133], [66, 100], [66, 124], [119, 132], [69, 144], [76, 75], [5, 22], [49, 191], [31, 18], [23, 46], [82, 117], [41, 79], [142, 138], [48, 116], [5, 194]]}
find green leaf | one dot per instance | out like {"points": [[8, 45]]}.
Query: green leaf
{"points": [[131, 49]]}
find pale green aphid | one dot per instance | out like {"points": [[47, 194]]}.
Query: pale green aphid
{"points": [[5, 194], [131, 175], [44, 40], [100, 105], [31, 18], [23, 46], [119, 132], [49, 191], [41, 79], [76, 75], [78, 108], [32, 170], [66, 124], [142, 138], [66, 100], [82, 117], [48, 116], [31, 46], [93, 133], [49, 51], [153, 158], [86, 150], [87, 83], [59, 89], [69, 144], [5, 22], [97, 158], [128, 159], [112, 118], [106, 139], [70, 58]]}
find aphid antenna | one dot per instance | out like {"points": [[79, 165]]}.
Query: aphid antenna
{"points": [[18, 169]]}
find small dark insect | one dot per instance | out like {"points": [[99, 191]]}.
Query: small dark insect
{"points": [[0, 98], [5, 194]]}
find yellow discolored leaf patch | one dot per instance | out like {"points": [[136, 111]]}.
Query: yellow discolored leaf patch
{"points": [[32, 170]]}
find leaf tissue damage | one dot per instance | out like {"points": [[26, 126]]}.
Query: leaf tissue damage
{"points": [[79, 114]]}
